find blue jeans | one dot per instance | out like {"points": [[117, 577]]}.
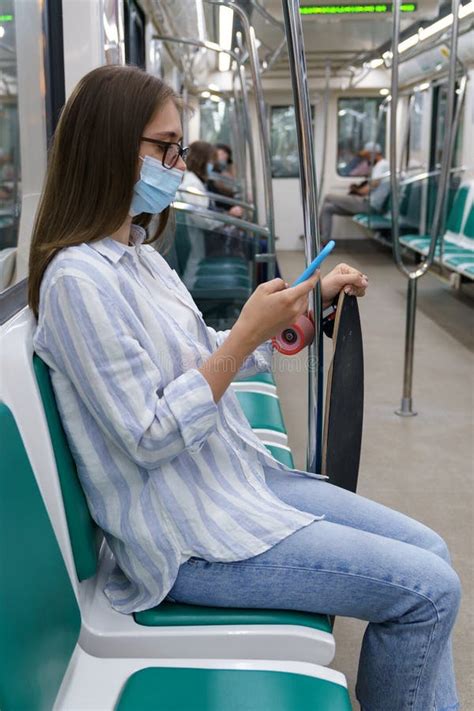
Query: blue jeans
{"points": [[363, 560]]}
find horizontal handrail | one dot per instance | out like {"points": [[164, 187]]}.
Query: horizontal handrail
{"points": [[430, 174], [216, 196], [220, 217]]}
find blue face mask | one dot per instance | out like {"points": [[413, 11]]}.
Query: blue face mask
{"points": [[210, 168], [156, 189]]}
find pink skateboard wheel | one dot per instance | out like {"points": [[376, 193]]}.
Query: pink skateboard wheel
{"points": [[293, 339]]}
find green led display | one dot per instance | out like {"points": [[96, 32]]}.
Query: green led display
{"points": [[6, 18], [377, 9]]}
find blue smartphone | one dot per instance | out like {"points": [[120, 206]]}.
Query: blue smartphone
{"points": [[309, 271]]}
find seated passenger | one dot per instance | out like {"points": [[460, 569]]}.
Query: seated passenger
{"points": [[199, 166], [222, 178], [369, 196], [192, 505]]}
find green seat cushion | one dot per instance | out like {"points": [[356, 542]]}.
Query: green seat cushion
{"points": [[173, 614], [373, 222], [456, 213], [261, 410], [218, 281], [205, 292], [188, 689], [462, 262], [82, 529], [224, 270], [223, 264], [230, 258], [39, 616], [282, 455], [468, 230]]}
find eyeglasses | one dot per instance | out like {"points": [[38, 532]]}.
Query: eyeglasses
{"points": [[172, 152]]}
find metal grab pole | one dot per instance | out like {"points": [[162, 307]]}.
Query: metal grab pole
{"points": [[185, 114], [262, 126], [248, 128], [457, 116], [296, 53], [211, 46], [406, 403], [327, 76]]}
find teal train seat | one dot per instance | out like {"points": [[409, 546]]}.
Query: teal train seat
{"points": [[249, 633], [44, 665], [457, 244], [409, 211], [217, 272]]}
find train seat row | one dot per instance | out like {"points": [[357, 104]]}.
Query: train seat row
{"points": [[409, 210], [458, 240], [43, 666], [156, 638], [226, 270]]}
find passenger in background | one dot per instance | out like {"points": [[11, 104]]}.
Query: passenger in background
{"points": [[199, 167], [219, 238], [200, 163], [222, 179], [192, 504], [367, 197]]}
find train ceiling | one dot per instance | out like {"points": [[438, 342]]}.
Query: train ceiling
{"points": [[341, 39]]}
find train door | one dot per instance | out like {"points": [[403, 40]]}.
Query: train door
{"points": [[285, 176]]}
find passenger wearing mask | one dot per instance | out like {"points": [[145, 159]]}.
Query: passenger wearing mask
{"points": [[192, 504], [200, 165], [222, 181], [367, 197]]}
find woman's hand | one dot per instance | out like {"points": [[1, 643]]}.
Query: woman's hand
{"points": [[272, 307], [344, 277]]}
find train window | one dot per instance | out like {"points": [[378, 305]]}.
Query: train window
{"points": [[10, 175], [285, 157], [359, 120], [215, 121], [438, 124], [416, 156]]}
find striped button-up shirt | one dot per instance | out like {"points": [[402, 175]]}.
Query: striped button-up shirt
{"points": [[168, 473]]}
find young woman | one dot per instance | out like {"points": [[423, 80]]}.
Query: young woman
{"points": [[191, 503]]}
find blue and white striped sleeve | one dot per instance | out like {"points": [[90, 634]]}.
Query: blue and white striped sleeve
{"points": [[260, 361], [91, 341]]}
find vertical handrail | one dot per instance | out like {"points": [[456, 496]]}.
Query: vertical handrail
{"points": [[296, 53], [238, 145], [262, 127], [248, 131], [327, 87], [406, 409], [185, 114], [211, 46], [457, 117]]}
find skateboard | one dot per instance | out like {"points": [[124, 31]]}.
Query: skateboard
{"points": [[344, 406]]}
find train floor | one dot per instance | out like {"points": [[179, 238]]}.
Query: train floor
{"points": [[420, 465]]}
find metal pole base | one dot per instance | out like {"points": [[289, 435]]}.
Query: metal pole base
{"points": [[405, 408]]}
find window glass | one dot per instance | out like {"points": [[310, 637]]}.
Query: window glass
{"points": [[358, 122], [416, 154], [10, 178], [439, 117], [284, 145], [215, 121]]}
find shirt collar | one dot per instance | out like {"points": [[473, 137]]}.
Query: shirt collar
{"points": [[113, 250]]}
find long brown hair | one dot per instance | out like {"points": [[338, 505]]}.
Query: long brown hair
{"points": [[200, 154], [93, 163]]}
